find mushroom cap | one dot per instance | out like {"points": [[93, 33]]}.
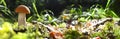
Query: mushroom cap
{"points": [[55, 34], [22, 9]]}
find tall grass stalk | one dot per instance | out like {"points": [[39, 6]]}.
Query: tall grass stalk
{"points": [[93, 12], [6, 10], [34, 6], [36, 11], [108, 3]]}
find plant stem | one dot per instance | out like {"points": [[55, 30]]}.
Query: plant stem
{"points": [[22, 19]]}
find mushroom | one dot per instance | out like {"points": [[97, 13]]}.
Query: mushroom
{"points": [[56, 35], [22, 10]]}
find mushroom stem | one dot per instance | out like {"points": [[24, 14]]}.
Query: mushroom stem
{"points": [[22, 19]]}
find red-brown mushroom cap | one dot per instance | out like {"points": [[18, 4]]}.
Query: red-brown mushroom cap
{"points": [[54, 34], [22, 9]]}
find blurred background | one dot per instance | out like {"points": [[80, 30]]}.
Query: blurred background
{"points": [[7, 7]]}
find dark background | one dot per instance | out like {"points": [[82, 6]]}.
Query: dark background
{"points": [[57, 6]]}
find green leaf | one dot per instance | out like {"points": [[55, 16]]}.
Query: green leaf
{"points": [[49, 18], [29, 18]]}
